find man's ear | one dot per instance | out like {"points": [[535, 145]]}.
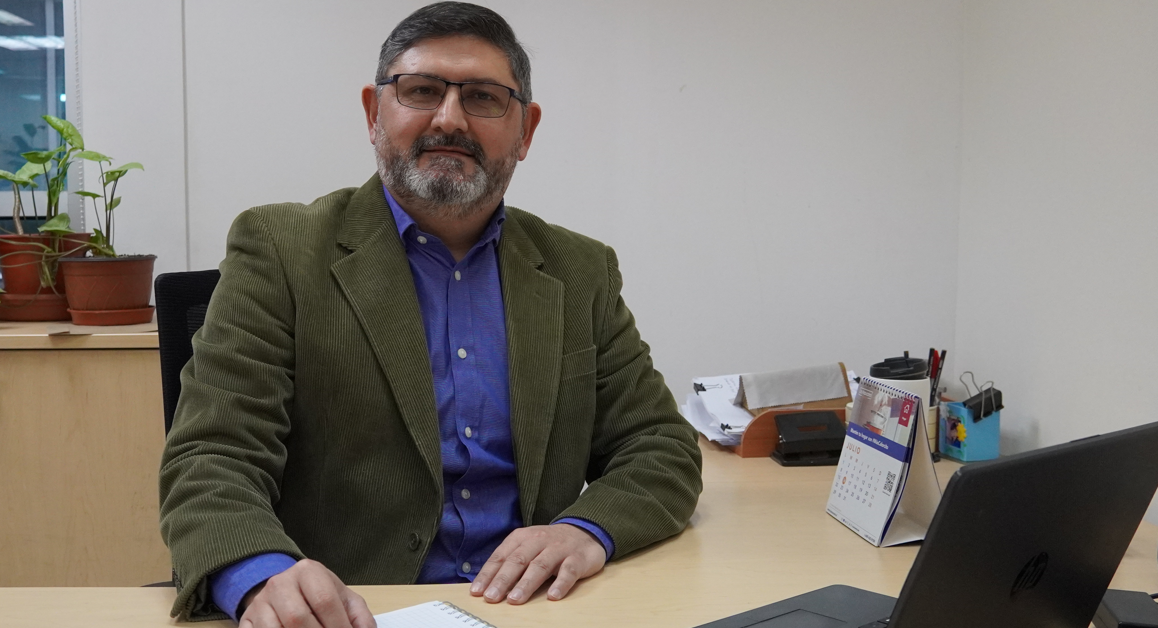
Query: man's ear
{"points": [[531, 118], [370, 104]]}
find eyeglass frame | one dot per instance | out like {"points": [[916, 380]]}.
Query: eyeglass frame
{"points": [[394, 80]]}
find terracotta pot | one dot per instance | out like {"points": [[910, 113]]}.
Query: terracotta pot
{"points": [[112, 317], [20, 257], [48, 306], [109, 283]]}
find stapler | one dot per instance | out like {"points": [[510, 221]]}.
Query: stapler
{"points": [[809, 439]]}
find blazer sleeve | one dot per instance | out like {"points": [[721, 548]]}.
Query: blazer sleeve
{"points": [[644, 475], [223, 460]]}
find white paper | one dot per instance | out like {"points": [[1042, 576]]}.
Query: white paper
{"points": [[430, 615], [717, 394], [792, 386], [698, 416]]}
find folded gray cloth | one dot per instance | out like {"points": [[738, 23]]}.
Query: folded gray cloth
{"points": [[813, 383]]}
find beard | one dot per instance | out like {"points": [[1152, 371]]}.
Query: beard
{"points": [[443, 189]]}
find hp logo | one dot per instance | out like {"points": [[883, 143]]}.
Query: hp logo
{"points": [[1030, 574]]}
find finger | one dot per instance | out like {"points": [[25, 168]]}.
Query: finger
{"points": [[358, 612], [510, 572], [291, 608], [259, 615], [323, 596], [495, 562], [540, 568], [566, 576]]}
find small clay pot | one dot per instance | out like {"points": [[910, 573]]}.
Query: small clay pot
{"points": [[20, 257], [47, 306], [109, 289]]}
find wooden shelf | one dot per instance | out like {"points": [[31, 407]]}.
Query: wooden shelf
{"points": [[15, 335]]}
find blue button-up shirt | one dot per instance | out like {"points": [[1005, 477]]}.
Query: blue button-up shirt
{"points": [[463, 316]]}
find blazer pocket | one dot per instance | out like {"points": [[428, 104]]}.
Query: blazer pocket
{"points": [[578, 363]]}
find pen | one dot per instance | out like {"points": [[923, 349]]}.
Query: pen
{"points": [[937, 377], [933, 365]]}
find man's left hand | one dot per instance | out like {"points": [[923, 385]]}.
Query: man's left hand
{"points": [[529, 556]]}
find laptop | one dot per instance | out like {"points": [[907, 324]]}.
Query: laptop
{"points": [[1027, 541]]}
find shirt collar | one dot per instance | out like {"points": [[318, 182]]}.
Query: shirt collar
{"points": [[491, 234]]}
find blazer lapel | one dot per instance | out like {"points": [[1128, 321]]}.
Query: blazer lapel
{"points": [[533, 302], [376, 279]]}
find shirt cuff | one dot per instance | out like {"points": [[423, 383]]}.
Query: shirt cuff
{"points": [[600, 534], [229, 584]]}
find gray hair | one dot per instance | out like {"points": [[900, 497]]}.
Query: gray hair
{"points": [[443, 19]]}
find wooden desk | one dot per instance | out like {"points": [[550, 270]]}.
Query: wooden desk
{"points": [[81, 432], [760, 534]]}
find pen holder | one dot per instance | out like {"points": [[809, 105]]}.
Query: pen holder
{"points": [[964, 439]]}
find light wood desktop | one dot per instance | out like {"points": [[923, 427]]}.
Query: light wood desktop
{"points": [[760, 534]]}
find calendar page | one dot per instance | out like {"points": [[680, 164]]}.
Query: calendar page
{"points": [[873, 464]]}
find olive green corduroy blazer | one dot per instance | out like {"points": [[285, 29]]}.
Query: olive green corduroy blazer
{"points": [[307, 423]]}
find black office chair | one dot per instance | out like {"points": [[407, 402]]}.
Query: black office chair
{"points": [[182, 300]]}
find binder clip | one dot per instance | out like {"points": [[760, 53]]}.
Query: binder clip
{"points": [[809, 439], [984, 403]]}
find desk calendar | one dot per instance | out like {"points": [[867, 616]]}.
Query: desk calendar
{"points": [[885, 488]]}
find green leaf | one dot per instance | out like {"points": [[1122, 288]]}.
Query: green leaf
{"points": [[39, 157], [30, 171], [14, 178], [57, 225], [67, 131], [87, 194], [113, 205], [92, 155], [132, 165]]}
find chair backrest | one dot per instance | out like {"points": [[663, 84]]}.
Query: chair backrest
{"points": [[182, 300]]}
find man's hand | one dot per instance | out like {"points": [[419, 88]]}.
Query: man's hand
{"points": [[306, 595], [528, 556]]}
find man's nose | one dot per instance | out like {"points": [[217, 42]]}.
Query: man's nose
{"points": [[450, 117]]}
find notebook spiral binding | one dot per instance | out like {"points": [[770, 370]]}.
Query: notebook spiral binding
{"points": [[479, 623]]}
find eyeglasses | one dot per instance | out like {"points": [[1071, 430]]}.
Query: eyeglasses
{"points": [[484, 100]]}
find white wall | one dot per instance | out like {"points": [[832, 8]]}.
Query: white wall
{"points": [[1059, 212], [132, 109], [745, 159], [1058, 298]]}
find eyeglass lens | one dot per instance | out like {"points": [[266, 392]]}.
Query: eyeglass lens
{"points": [[478, 99]]}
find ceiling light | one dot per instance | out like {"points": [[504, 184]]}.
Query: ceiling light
{"points": [[56, 43], [16, 43], [10, 19]]}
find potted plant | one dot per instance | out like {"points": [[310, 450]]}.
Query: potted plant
{"points": [[33, 284], [106, 288]]}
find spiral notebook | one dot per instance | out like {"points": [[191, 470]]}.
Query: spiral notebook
{"points": [[430, 615]]}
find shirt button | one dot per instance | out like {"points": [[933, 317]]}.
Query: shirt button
{"points": [[457, 276], [466, 567], [468, 432], [422, 239], [462, 353], [465, 494], [415, 541]]}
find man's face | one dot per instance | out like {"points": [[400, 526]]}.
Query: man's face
{"points": [[457, 163]]}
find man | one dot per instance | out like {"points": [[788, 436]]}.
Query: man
{"points": [[410, 381]]}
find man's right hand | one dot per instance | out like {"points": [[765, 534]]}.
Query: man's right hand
{"points": [[306, 595]]}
